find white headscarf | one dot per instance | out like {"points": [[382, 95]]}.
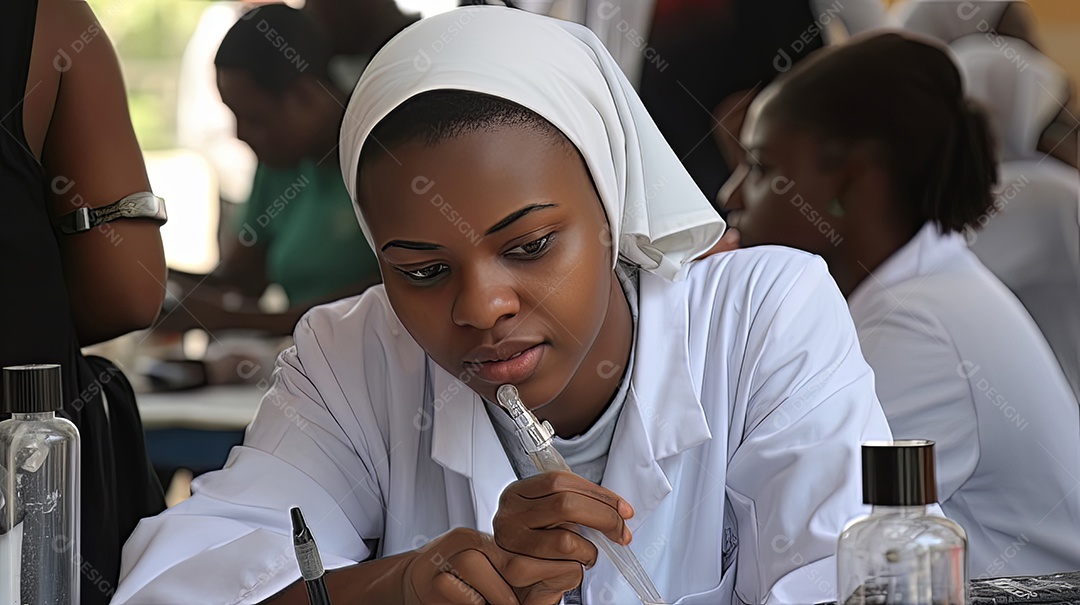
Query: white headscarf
{"points": [[1023, 89], [659, 219]]}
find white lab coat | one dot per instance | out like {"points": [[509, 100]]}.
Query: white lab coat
{"points": [[1030, 237], [958, 360], [1031, 242], [949, 20], [738, 447]]}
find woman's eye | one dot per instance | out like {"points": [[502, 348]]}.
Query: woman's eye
{"points": [[423, 273], [534, 248]]}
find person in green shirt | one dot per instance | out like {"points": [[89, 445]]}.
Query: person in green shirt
{"points": [[298, 228]]}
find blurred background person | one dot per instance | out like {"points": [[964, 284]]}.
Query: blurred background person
{"points": [[1030, 237], [296, 229], [996, 22], [68, 143], [870, 156]]}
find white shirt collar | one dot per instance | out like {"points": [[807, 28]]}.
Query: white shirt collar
{"points": [[922, 255]]}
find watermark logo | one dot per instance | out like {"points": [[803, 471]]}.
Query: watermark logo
{"points": [[998, 564], [781, 185], [63, 61], [61, 185], [278, 42], [608, 11], [781, 544], [423, 61], [421, 185], [1002, 198], [968, 10], [969, 370], [248, 235]]}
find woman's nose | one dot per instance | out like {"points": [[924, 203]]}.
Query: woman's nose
{"points": [[730, 195], [485, 297]]}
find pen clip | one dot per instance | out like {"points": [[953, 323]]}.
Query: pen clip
{"points": [[307, 552]]}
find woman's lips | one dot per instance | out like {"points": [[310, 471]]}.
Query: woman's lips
{"points": [[515, 370]]}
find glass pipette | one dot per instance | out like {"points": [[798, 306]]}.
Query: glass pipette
{"points": [[536, 438]]}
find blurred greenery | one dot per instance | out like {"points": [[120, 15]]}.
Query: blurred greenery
{"points": [[150, 36]]}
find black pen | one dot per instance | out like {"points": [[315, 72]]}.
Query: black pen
{"points": [[307, 556]]}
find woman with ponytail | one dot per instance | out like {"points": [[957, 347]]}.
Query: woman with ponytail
{"points": [[871, 156]]}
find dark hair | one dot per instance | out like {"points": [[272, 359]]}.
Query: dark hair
{"points": [[439, 115], [906, 99], [276, 44]]}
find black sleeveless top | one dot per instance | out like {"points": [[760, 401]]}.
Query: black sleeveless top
{"points": [[36, 326]]}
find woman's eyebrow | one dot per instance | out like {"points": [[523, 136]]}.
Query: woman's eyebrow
{"points": [[515, 216], [506, 222], [411, 245]]}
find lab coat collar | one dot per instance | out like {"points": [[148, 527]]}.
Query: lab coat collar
{"points": [[464, 441], [661, 417], [924, 254]]}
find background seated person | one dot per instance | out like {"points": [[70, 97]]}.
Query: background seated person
{"points": [[297, 229], [870, 156], [1030, 238]]}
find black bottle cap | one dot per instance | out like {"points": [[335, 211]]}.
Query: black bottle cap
{"points": [[899, 473], [32, 389]]}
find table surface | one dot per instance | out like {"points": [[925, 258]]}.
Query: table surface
{"points": [[214, 408]]}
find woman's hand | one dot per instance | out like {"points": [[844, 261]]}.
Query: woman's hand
{"points": [[464, 566], [536, 516]]}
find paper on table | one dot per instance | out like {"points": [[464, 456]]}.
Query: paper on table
{"points": [[10, 562]]}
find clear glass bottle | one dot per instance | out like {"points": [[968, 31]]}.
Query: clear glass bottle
{"points": [[899, 554], [39, 491]]}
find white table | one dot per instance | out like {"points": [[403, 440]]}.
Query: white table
{"points": [[196, 429], [215, 408]]}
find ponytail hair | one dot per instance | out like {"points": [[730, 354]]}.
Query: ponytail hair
{"points": [[968, 175], [904, 97]]}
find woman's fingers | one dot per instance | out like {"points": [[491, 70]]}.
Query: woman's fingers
{"points": [[545, 484], [466, 567], [460, 567], [557, 499], [536, 526], [536, 517], [472, 574], [449, 589], [541, 582]]}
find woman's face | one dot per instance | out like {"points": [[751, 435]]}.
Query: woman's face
{"points": [[780, 193], [495, 256], [277, 126]]}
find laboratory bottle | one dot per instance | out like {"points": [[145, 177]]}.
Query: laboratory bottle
{"points": [[39, 491], [899, 554]]}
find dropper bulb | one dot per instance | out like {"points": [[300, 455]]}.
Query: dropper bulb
{"points": [[507, 394]]}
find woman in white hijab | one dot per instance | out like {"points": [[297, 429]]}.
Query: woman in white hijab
{"points": [[533, 228]]}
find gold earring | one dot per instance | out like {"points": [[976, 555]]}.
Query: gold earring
{"points": [[835, 208]]}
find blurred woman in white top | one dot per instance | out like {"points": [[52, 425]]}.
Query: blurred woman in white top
{"points": [[871, 156]]}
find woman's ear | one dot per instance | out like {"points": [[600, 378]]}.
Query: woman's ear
{"points": [[863, 188]]}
